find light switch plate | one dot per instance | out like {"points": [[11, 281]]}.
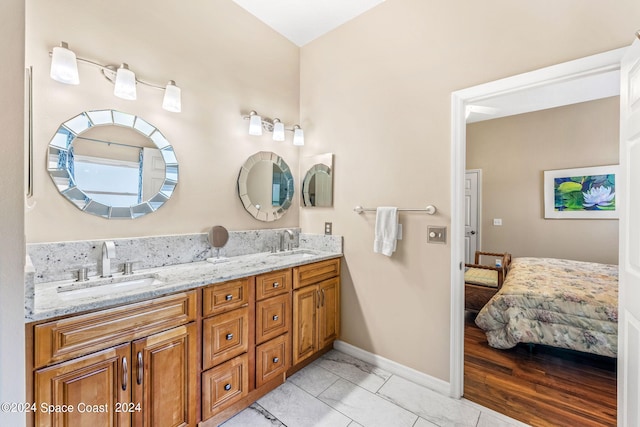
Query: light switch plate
{"points": [[436, 234]]}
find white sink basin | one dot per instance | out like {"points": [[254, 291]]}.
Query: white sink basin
{"points": [[301, 253], [105, 286]]}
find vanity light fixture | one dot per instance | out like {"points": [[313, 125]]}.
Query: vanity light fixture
{"points": [[257, 124], [125, 84], [64, 69]]}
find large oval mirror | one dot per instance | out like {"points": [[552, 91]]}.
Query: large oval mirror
{"points": [[265, 186], [317, 184], [112, 164]]}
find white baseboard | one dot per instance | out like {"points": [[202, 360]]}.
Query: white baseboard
{"points": [[435, 384]]}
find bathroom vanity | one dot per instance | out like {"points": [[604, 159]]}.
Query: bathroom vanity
{"points": [[191, 344]]}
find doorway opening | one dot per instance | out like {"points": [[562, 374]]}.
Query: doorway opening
{"points": [[559, 85]]}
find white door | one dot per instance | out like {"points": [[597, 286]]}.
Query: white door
{"points": [[153, 172], [629, 286], [471, 213]]}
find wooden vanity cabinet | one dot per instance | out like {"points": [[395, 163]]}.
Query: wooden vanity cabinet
{"points": [[316, 308], [273, 323], [227, 340], [148, 380]]}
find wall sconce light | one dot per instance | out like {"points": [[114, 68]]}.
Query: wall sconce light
{"points": [[64, 69], [257, 124]]}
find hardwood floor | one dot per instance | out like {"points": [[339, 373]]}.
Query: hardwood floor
{"points": [[541, 387]]}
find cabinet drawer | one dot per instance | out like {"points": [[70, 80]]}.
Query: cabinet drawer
{"points": [[273, 358], [225, 296], [225, 336], [224, 385], [273, 317], [79, 335], [275, 283], [312, 273]]}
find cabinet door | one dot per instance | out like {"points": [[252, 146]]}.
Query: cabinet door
{"points": [[164, 378], [329, 312], [86, 391], [305, 333]]}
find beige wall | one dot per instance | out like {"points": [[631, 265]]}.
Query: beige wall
{"points": [[513, 152], [12, 250], [376, 92], [226, 63]]}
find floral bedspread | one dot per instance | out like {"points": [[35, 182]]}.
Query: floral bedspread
{"points": [[556, 302]]}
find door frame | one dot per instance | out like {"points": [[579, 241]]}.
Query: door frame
{"points": [[478, 173], [460, 100]]}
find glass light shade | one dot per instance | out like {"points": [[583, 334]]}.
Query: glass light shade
{"points": [[64, 66], [255, 124], [172, 98], [298, 135], [278, 130], [125, 83]]}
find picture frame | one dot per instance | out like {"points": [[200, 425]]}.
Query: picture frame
{"points": [[581, 193]]}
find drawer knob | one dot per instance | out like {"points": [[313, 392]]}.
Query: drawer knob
{"points": [[276, 284], [229, 337], [229, 297], [276, 360], [227, 387], [275, 317]]}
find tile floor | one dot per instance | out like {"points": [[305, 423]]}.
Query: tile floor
{"points": [[338, 390]]}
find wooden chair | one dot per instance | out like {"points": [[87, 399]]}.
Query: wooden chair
{"points": [[482, 281]]}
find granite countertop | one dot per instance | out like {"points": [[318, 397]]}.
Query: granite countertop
{"points": [[93, 294]]}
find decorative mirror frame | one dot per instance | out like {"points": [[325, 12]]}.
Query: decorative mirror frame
{"points": [[61, 156], [262, 213]]}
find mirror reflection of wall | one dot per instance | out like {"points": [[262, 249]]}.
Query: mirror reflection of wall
{"points": [[317, 182]]}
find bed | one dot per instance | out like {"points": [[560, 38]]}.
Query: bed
{"points": [[556, 302]]}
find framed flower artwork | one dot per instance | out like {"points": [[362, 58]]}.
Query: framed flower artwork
{"points": [[585, 193]]}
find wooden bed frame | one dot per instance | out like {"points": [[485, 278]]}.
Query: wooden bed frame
{"points": [[477, 295]]}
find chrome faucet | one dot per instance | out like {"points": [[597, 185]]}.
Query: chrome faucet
{"points": [[291, 237], [108, 252]]}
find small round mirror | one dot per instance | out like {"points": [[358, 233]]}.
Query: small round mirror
{"points": [[265, 186], [218, 237]]}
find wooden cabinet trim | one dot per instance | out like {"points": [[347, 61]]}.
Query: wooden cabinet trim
{"points": [[63, 384], [225, 336], [274, 283], [224, 385], [164, 377], [226, 296], [273, 317], [273, 358], [83, 334], [309, 274]]}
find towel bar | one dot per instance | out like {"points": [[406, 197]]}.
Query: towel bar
{"points": [[429, 209]]}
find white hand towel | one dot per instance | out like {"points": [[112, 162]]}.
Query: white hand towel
{"points": [[386, 230]]}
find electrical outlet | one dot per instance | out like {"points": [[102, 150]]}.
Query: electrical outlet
{"points": [[328, 226]]}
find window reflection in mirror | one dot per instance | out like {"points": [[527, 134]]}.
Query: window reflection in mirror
{"points": [[112, 164]]}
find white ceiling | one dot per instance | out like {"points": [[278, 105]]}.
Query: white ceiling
{"points": [[302, 21]]}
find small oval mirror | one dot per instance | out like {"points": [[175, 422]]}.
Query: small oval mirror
{"points": [[218, 236]]}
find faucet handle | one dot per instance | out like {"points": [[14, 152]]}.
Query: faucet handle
{"points": [[127, 267]]}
